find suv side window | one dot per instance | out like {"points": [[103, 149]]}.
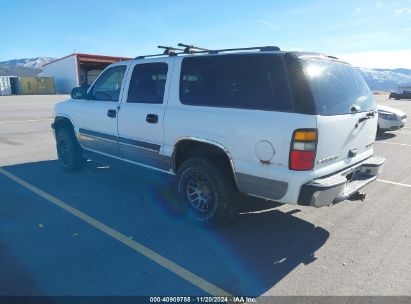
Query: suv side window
{"points": [[108, 85], [147, 83], [247, 81]]}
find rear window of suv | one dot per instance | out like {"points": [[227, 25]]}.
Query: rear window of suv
{"points": [[246, 81], [337, 87]]}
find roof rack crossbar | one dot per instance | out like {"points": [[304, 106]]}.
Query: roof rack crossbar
{"points": [[154, 55], [260, 48], [169, 50], [190, 49]]}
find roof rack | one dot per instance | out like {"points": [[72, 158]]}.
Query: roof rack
{"points": [[169, 50], [260, 48], [190, 49]]}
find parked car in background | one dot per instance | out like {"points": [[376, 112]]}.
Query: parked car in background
{"points": [[390, 119], [398, 96]]}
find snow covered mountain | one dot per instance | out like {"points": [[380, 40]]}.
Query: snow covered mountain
{"points": [[386, 80], [23, 67], [37, 62]]}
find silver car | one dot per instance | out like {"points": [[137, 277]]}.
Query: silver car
{"points": [[390, 119]]}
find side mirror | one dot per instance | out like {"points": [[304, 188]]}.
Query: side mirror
{"points": [[79, 93]]}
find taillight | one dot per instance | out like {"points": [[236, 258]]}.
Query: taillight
{"points": [[303, 149]]}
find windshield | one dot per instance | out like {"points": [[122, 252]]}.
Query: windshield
{"points": [[337, 87]]}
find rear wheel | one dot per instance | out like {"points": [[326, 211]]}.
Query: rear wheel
{"points": [[69, 151], [208, 191], [379, 131]]}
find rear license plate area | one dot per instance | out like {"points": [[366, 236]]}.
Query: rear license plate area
{"points": [[350, 175]]}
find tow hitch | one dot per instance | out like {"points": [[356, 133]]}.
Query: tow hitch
{"points": [[357, 196]]}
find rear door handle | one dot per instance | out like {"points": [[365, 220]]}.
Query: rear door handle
{"points": [[112, 113], [352, 152], [152, 118]]}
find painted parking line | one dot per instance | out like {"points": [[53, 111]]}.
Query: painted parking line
{"points": [[143, 250], [394, 183], [22, 131], [28, 120], [392, 143]]}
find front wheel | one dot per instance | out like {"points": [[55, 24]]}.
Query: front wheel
{"points": [[69, 151], [209, 191]]}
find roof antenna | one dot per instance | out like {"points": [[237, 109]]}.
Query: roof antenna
{"points": [[191, 48], [169, 50]]}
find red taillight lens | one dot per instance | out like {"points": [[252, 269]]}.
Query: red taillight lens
{"points": [[303, 149], [302, 160]]}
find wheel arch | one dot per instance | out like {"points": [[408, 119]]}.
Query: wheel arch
{"points": [[180, 151], [61, 121]]}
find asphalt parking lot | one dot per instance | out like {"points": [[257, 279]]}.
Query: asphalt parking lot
{"points": [[104, 231]]}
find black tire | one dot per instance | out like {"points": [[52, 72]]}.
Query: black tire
{"points": [[379, 131], [69, 151], [219, 204]]}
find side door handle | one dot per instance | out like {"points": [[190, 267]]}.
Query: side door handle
{"points": [[112, 113], [152, 118]]}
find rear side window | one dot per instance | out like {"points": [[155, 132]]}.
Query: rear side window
{"points": [[147, 83], [251, 81], [337, 87]]}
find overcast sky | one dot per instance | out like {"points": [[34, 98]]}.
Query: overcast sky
{"points": [[365, 33]]}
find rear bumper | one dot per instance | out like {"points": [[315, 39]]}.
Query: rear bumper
{"points": [[391, 125], [342, 185]]}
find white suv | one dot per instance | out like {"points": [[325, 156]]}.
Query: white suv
{"points": [[296, 128]]}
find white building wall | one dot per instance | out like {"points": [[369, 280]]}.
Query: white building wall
{"points": [[64, 72], [5, 88]]}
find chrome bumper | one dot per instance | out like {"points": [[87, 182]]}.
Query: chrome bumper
{"points": [[342, 185]]}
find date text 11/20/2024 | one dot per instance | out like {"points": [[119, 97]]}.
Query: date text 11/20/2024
{"points": [[232, 299]]}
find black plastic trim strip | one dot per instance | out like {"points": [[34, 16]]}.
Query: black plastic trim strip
{"points": [[263, 187], [98, 134], [140, 144], [122, 140]]}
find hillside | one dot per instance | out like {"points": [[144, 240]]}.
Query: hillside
{"points": [[18, 71], [37, 62], [386, 80], [23, 67]]}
